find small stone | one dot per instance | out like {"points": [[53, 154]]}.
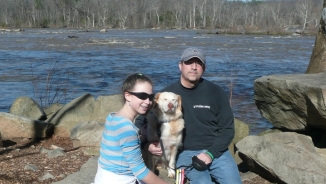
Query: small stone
{"points": [[76, 143], [47, 176], [43, 150], [55, 153], [56, 147], [31, 167], [73, 157], [61, 176]]}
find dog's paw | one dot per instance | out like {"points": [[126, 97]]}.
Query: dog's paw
{"points": [[171, 173]]}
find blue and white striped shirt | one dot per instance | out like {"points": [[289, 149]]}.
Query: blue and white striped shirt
{"points": [[120, 148]]}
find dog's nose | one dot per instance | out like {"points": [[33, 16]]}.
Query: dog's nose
{"points": [[170, 105]]}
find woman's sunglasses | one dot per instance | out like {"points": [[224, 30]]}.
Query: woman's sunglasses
{"points": [[142, 95]]}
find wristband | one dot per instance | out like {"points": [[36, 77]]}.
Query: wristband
{"points": [[210, 155]]}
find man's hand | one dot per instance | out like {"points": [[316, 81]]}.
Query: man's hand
{"points": [[155, 148], [205, 158]]}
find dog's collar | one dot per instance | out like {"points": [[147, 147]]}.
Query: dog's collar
{"points": [[166, 121]]}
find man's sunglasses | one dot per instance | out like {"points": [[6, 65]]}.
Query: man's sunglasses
{"points": [[190, 62], [142, 95]]}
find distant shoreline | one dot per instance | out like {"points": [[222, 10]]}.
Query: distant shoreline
{"points": [[199, 31]]}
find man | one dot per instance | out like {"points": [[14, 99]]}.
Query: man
{"points": [[209, 123]]}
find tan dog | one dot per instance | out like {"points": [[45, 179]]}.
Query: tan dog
{"points": [[168, 116]]}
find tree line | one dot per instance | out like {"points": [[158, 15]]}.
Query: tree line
{"points": [[269, 15]]}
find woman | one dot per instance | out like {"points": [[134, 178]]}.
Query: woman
{"points": [[120, 160]]}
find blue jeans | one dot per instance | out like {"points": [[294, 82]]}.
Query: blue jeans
{"points": [[223, 169]]}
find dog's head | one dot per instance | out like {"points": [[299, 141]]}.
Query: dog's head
{"points": [[167, 102]]}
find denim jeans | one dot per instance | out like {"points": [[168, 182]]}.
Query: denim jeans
{"points": [[223, 169]]}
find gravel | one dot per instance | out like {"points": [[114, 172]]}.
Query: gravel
{"points": [[25, 161]]}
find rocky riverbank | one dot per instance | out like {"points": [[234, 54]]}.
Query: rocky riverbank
{"points": [[64, 137]]}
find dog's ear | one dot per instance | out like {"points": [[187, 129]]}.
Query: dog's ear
{"points": [[156, 99], [179, 103]]}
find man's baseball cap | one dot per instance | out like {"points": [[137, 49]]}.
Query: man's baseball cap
{"points": [[193, 52]]}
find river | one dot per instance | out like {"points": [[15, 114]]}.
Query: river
{"points": [[96, 63]]}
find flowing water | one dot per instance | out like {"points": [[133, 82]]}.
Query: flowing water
{"points": [[97, 63]]}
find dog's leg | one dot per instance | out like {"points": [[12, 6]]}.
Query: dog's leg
{"points": [[173, 154]]}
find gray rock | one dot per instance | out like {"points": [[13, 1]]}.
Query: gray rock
{"points": [[73, 113], [44, 150], [92, 151], [54, 108], [31, 167], [28, 108], [106, 104], [292, 101], [88, 133], [283, 157], [55, 153], [83, 109], [86, 174], [241, 131], [47, 176], [13, 126], [57, 147], [321, 152]]}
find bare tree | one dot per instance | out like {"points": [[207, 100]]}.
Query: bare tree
{"points": [[216, 12], [202, 11], [103, 11], [193, 14], [304, 9], [123, 11], [5, 12], [233, 12], [272, 14], [277, 14], [155, 5], [177, 11], [144, 11]]}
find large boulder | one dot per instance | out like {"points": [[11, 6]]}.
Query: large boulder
{"points": [[106, 104], [26, 107], [83, 109], [13, 126], [317, 62], [241, 131], [88, 133], [52, 109], [292, 102], [283, 157], [77, 111]]}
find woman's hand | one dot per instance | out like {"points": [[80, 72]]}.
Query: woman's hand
{"points": [[155, 149]]}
